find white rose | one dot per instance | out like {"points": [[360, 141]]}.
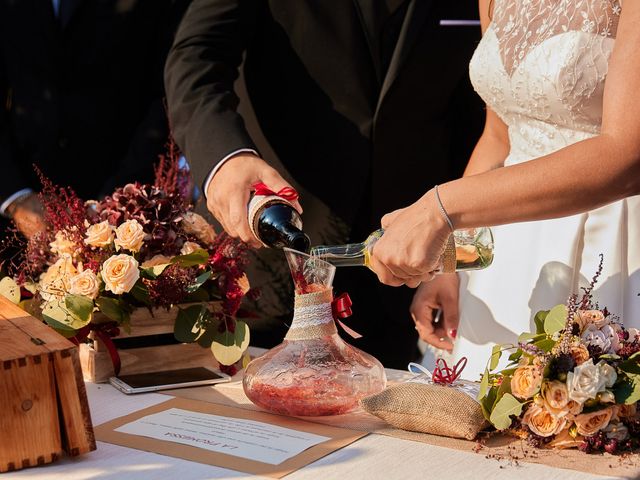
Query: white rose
{"points": [[608, 373], [593, 336], [129, 236], [189, 247], [611, 334], [63, 245], [85, 284], [99, 235], [120, 273], [616, 430], [56, 281], [585, 382], [196, 225]]}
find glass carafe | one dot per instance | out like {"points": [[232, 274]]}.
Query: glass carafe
{"points": [[313, 372]]}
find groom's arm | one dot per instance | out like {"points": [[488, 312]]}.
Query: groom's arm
{"points": [[201, 69]]}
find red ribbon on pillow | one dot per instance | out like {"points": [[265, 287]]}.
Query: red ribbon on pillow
{"points": [[288, 193], [341, 308], [445, 375]]}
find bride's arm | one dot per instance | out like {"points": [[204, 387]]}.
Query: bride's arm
{"points": [[575, 179]]}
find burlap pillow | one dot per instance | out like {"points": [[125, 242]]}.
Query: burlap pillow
{"points": [[435, 409]]}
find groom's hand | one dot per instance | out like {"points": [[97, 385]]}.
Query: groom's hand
{"points": [[438, 294], [229, 191]]}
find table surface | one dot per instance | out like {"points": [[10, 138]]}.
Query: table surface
{"points": [[372, 457]]}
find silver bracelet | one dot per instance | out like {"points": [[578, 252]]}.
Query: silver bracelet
{"points": [[442, 210]]}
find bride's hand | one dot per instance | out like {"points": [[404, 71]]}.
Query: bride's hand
{"points": [[442, 294], [412, 243]]}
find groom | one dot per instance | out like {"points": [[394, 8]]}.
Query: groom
{"points": [[367, 103]]}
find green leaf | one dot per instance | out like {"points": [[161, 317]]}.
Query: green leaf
{"points": [[515, 356], [526, 337], [539, 320], [206, 339], [546, 344], [556, 319], [141, 293], [484, 384], [59, 327], [496, 353], [627, 391], [57, 312], [200, 279], [10, 290], [113, 309], [631, 366], [228, 347], [198, 257], [154, 272], [200, 295], [503, 410], [189, 323], [488, 402], [79, 306]]}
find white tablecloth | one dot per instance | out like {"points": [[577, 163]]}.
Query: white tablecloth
{"points": [[372, 457]]}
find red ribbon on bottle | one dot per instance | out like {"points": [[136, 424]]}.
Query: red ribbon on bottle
{"points": [[445, 375], [341, 308], [105, 332], [288, 193]]}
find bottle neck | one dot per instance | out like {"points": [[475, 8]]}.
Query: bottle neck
{"points": [[349, 255]]}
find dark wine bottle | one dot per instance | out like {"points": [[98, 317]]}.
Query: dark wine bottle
{"points": [[274, 221]]}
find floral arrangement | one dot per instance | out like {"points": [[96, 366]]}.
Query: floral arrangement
{"points": [[142, 246], [575, 382]]}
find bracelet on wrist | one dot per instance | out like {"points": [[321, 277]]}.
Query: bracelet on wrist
{"points": [[442, 209]]}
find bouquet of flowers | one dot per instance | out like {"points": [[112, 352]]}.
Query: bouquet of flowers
{"points": [[142, 246], [575, 382]]}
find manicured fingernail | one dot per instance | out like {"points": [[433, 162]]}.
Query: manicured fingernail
{"points": [[453, 333]]}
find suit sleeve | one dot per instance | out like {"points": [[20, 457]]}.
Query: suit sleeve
{"points": [[201, 69]]}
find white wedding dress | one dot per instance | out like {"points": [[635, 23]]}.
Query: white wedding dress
{"points": [[542, 66]]}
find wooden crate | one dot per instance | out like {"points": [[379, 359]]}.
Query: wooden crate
{"points": [[96, 362], [43, 402]]}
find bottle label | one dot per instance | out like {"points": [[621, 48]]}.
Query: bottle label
{"points": [[256, 205], [313, 316]]}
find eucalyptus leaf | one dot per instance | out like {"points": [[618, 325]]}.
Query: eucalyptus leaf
{"points": [[57, 311], [113, 309], [627, 391], [484, 384], [539, 319], [197, 257], [503, 410], [515, 356], [141, 293], [79, 306], [631, 366], [10, 290], [546, 344], [527, 337], [496, 353], [155, 271], [200, 295], [231, 353], [200, 279], [59, 327], [556, 319], [189, 323], [488, 402]]}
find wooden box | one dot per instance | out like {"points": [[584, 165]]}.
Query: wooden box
{"points": [[43, 402], [149, 347]]}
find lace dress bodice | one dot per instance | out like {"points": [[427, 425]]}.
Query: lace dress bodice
{"points": [[541, 66]]}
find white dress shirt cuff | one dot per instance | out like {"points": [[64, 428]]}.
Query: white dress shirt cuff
{"points": [[7, 203], [207, 181]]}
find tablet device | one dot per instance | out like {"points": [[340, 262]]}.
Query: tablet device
{"points": [[167, 379]]}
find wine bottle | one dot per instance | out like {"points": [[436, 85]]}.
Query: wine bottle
{"points": [[274, 221], [469, 249]]}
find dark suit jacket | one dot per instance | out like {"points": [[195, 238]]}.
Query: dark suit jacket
{"points": [[82, 95], [363, 138]]}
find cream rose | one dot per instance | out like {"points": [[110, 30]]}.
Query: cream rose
{"points": [[565, 440], [526, 381], [556, 397], [120, 273], [129, 236], [55, 283], [593, 336], [189, 247], [589, 317], [608, 373], [99, 235], [590, 423], [585, 382], [542, 422], [196, 225], [85, 284], [156, 260], [579, 353], [63, 244], [626, 411]]}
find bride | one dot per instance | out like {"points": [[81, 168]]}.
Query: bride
{"points": [[557, 171]]}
